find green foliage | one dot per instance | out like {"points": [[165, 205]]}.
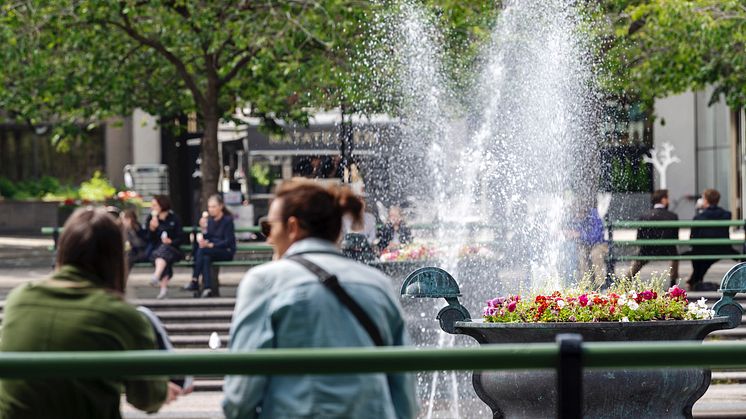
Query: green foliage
{"points": [[78, 62], [629, 177], [97, 188], [260, 174], [656, 48], [29, 189]]}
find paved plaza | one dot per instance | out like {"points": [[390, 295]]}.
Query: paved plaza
{"points": [[25, 258]]}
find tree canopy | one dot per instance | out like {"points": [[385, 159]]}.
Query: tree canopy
{"points": [[663, 47], [82, 60]]}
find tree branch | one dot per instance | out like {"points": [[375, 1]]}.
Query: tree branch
{"points": [[181, 69], [237, 67]]}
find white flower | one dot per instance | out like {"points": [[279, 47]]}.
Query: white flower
{"points": [[632, 295], [625, 319], [561, 304], [632, 304], [702, 302], [622, 300]]}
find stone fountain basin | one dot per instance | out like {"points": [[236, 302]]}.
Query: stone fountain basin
{"points": [[649, 393]]}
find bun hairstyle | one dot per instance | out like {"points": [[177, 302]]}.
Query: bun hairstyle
{"points": [[319, 209], [93, 241]]}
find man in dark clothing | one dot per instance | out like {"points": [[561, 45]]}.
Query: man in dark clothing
{"points": [[710, 199], [659, 212], [395, 232]]}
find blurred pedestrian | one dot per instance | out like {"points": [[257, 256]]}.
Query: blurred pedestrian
{"points": [[395, 232], [164, 238], [710, 211], [136, 240], [80, 307], [295, 302], [659, 212], [217, 243]]}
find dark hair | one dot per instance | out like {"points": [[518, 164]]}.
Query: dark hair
{"points": [[131, 215], [219, 198], [318, 209], [163, 201], [93, 241], [712, 196], [658, 196]]}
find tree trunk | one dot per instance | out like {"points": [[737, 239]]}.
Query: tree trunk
{"points": [[210, 166]]}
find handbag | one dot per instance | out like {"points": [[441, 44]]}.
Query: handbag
{"points": [[331, 283]]}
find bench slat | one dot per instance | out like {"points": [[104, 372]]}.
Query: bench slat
{"points": [[676, 242], [680, 223], [681, 257]]}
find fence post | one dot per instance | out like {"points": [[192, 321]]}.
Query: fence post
{"points": [[570, 376]]}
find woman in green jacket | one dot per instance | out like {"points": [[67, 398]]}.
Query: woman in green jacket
{"points": [[79, 308]]}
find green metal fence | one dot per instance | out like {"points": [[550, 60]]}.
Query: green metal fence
{"points": [[569, 356], [676, 354]]}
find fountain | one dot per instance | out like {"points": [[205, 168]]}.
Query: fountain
{"points": [[506, 161]]}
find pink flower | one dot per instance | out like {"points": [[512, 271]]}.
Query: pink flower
{"points": [[677, 292], [647, 295], [511, 306], [583, 300], [496, 302]]}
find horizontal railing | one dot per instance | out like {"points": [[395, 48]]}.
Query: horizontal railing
{"points": [[663, 354], [569, 356]]}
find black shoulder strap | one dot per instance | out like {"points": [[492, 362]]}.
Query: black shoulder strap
{"points": [[330, 282]]}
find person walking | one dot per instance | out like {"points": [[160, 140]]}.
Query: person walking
{"points": [[164, 239], [288, 303], [80, 307], [710, 211], [217, 244], [659, 212]]}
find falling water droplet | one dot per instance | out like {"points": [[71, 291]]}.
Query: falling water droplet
{"points": [[214, 342]]}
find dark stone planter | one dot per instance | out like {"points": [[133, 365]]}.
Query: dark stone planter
{"points": [[27, 217], [652, 393], [606, 393]]}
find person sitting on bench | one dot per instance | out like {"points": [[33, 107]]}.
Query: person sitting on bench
{"points": [[218, 244], [659, 212], [711, 211]]}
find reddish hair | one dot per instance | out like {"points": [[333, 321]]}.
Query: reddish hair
{"points": [[319, 209]]}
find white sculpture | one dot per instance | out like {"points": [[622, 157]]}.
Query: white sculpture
{"points": [[661, 159]]}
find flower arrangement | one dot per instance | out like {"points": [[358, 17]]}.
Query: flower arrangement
{"points": [[124, 199], [623, 306], [470, 250], [410, 252]]}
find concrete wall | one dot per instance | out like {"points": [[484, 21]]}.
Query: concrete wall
{"points": [[118, 153], [676, 123], [714, 162], [135, 139], [146, 139]]}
